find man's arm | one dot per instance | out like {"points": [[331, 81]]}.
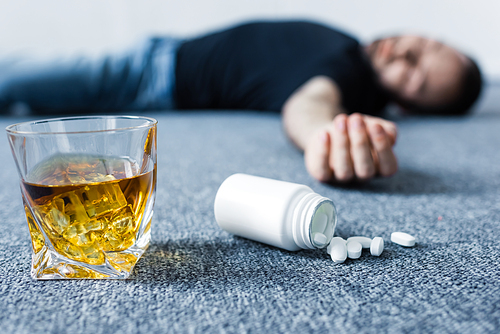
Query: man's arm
{"points": [[310, 108], [336, 146]]}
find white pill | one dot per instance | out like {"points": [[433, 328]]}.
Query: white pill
{"points": [[354, 249], [330, 245], [319, 223], [403, 239], [364, 241], [319, 239], [377, 246], [337, 250]]}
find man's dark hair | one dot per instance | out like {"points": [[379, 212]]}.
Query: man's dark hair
{"points": [[470, 89]]}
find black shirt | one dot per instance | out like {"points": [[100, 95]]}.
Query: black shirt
{"points": [[259, 65]]}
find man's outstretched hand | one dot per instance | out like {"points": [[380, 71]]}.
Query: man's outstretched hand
{"points": [[355, 147]]}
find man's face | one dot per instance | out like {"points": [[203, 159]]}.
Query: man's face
{"points": [[418, 70]]}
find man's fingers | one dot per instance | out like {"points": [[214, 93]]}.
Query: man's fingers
{"points": [[317, 157], [390, 128], [340, 155], [362, 159], [355, 146], [381, 143]]}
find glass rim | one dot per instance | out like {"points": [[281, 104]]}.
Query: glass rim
{"points": [[149, 123]]}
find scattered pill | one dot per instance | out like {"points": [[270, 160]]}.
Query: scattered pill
{"points": [[354, 249], [340, 249], [403, 239], [337, 250], [330, 245], [377, 246], [320, 239], [364, 241]]}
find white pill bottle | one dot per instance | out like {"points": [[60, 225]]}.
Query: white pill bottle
{"points": [[282, 214]]}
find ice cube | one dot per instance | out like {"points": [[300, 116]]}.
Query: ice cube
{"points": [[59, 220], [101, 199], [74, 231], [93, 255], [123, 221], [68, 249], [74, 208], [115, 242], [95, 225]]}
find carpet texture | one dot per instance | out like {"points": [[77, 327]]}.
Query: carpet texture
{"points": [[196, 278]]}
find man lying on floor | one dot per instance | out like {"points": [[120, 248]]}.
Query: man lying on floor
{"points": [[328, 87]]}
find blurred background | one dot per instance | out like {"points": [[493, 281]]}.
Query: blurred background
{"points": [[96, 26]]}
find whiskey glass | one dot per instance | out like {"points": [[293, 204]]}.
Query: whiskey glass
{"points": [[88, 186]]}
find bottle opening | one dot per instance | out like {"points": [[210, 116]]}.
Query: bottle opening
{"points": [[323, 224], [315, 218]]}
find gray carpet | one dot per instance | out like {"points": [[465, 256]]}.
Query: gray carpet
{"points": [[196, 278]]}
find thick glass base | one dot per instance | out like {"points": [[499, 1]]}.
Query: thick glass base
{"points": [[47, 264]]}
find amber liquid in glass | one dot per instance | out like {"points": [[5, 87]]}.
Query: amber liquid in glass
{"points": [[89, 208]]}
